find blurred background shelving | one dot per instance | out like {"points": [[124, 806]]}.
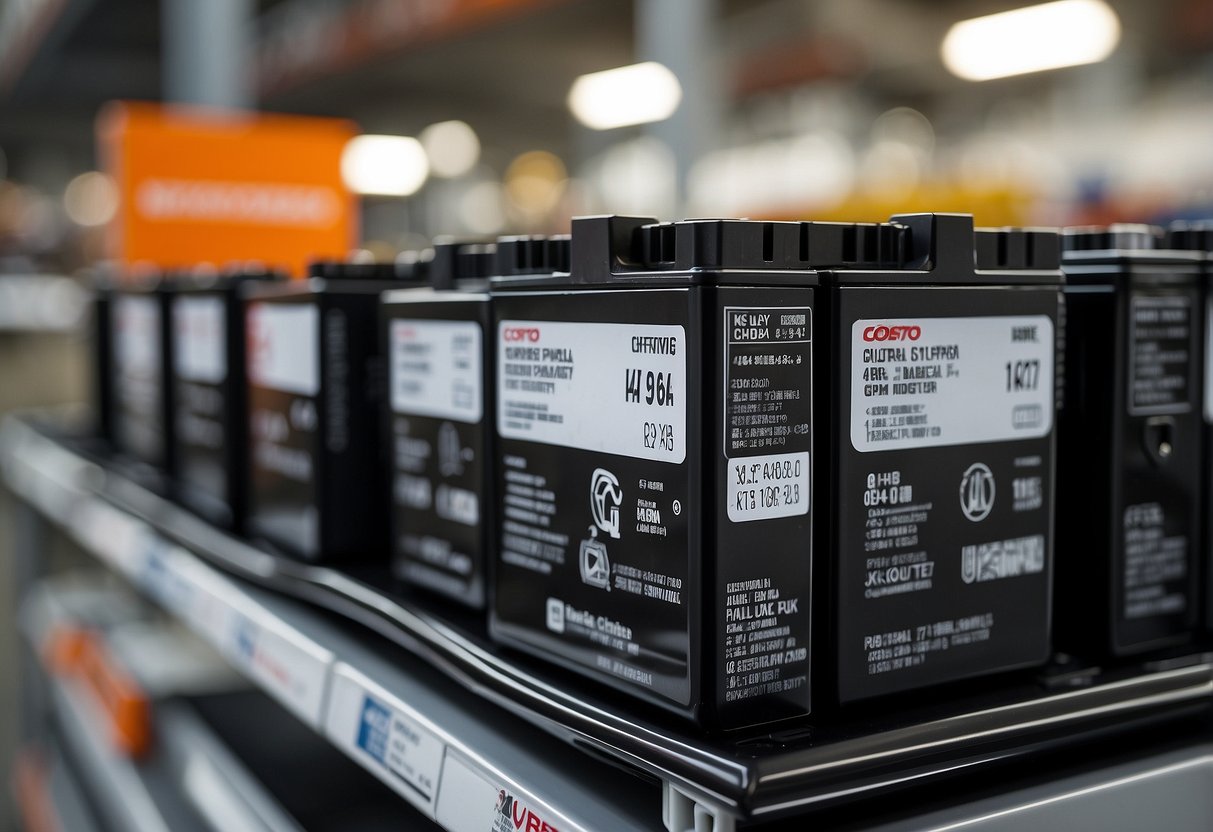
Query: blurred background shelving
{"points": [[840, 109]]}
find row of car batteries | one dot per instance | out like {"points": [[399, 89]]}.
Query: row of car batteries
{"points": [[748, 471]]}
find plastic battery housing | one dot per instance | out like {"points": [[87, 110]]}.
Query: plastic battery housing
{"points": [[1130, 458], [210, 391], [653, 471], [1198, 237], [437, 420], [315, 378], [101, 369], [940, 351], [140, 367]]}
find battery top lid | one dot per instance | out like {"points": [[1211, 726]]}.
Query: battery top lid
{"points": [[940, 248], [1191, 236], [531, 261], [397, 271], [145, 278], [229, 277], [466, 265], [1127, 243]]}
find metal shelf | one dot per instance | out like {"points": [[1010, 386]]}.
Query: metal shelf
{"points": [[136, 798], [433, 743], [423, 723]]}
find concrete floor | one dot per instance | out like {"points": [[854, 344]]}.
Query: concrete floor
{"points": [[35, 370]]}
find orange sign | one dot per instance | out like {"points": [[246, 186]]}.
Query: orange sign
{"points": [[199, 186]]}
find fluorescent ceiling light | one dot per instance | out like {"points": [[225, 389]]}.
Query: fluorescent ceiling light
{"points": [[452, 147], [384, 165], [636, 94], [91, 199], [1031, 39]]}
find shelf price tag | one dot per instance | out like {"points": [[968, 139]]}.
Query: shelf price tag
{"points": [[380, 733], [281, 661], [263, 647], [115, 537], [472, 800]]}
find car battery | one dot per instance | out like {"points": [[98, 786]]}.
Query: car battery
{"points": [[1198, 237], [101, 382], [318, 487], [653, 468], [142, 392], [941, 435], [1130, 459], [209, 389], [439, 413]]}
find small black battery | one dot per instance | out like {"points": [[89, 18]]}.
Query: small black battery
{"points": [[315, 380], [209, 388], [142, 391], [1198, 237], [654, 428], [101, 324], [1130, 456], [439, 413], [941, 433]]}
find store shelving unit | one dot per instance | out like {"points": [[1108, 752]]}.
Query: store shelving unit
{"points": [[455, 726], [41, 303]]}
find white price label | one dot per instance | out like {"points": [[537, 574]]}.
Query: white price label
{"points": [[378, 731], [615, 388], [765, 487], [928, 382], [279, 660], [437, 368], [200, 339], [471, 800], [284, 348]]}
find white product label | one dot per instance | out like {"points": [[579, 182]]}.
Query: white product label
{"points": [[765, 487], [437, 369], [927, 382], [1209, 360], [378, 731], [615, 388], [284, 349], [200, 339], [137, 335], [471, 800]]}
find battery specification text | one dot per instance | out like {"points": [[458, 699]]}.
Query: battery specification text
{"points": [[616, 388], [200, 361], [1156, 565], [758, 643], [897, 562], [767, 411], [1160, 353], [137, 372], [909, 647], [928, 382], [436, 368], [284, 359]]}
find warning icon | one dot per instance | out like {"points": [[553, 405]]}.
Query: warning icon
{"points": [[595, 565]]}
